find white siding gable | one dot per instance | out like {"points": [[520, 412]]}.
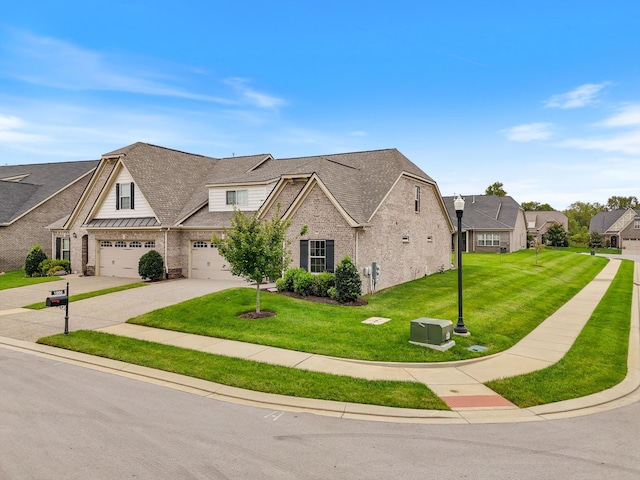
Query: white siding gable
{"points": [[141, 207], [256, 195]]}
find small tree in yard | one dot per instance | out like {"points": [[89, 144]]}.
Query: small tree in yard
{"points": [[348, 284], [556, 235], [150, 266], [255, 249], [32, 263]]}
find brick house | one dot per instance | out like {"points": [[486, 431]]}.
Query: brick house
{"points": [[373, 206], [619, 228], [490, 224], [31, 198], [538, 222]]}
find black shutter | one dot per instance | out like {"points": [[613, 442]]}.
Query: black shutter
{"points": [[58, 243], [328, 245], [133, 189], [304, 254], [117, 196]]}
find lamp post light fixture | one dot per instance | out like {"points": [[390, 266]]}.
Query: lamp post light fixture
{"points": [[460, 328]]}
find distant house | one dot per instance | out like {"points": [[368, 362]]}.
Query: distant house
{"points": [[490, 223], [538, 222], [619, 228], [373, 206], [31, 198]]}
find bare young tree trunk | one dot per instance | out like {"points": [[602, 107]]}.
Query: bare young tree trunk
{"points": [[258, 297]]}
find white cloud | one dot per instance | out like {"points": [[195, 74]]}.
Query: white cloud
{"points": [[629, 115], [528, 132], [579, 97], [627, 143], [8, 134], [253, 97], [55, 63]]}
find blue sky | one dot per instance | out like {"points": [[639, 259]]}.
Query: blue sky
{"points": [[543, 96]]}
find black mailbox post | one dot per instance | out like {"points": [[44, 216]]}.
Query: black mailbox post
{"points": [[57, 301], [60, 298]]}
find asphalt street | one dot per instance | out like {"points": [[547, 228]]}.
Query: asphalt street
{"points": [[64, 421]]}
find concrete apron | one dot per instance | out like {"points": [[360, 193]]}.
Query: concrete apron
{"points": [[96, 312]]}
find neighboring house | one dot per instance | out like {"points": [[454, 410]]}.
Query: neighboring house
{"points": [[373, 206], [32, 197], [490, 223], [538, 222], [619, 228]]}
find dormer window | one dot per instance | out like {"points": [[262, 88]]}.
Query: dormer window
{"points": [[124, 196], [237, 197]]}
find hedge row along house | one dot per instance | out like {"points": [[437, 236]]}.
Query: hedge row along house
{"points": [[374, 206]]}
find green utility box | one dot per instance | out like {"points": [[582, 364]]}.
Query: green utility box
{"points": [[432, 333]]}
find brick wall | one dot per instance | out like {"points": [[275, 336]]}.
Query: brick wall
{"points": [[406, 244], [17, 239]]}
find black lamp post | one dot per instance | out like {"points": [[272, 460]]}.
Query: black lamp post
{"points": [[460, 328]]}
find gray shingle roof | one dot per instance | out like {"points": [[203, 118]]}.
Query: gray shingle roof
{"points": [[542, 218], [174, 183], [602, 221], [485, 212], [35, 183], [359, 181]]}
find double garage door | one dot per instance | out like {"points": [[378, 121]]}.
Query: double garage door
{"points": [[119, 258]]}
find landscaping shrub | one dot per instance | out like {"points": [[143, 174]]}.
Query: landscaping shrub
{"points": [[150, 265], [280, 284], [52, 266], [332, 293], [303, 283], [34, 258], [348, 283], [286, 285], [323, 282]]}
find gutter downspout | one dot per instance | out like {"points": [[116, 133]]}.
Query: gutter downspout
{"points": [[166, 249]]}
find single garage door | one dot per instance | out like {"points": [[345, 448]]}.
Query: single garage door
{"points": [[631, 245], [207, 263], [119, 258]]}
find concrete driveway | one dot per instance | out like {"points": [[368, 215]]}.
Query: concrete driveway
{"points": [[96, 312]]}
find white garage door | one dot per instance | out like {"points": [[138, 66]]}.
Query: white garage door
{"points": [[207, 263], [119, 258], [631, 245]]}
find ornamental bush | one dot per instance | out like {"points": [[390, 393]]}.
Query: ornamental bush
{"points": [[348, 283], [150, 266], [34, 257], [285, 284], [303, 283], [323, 282], [52, 266]]}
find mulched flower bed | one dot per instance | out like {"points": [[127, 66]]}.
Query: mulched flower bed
{"points": [[329, 301]]}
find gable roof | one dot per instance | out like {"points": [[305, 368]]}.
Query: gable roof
{"points": [[24, 187], [358, 181], [174, 183], [604, 221], [167, 178], [536, 219], [485, 212]]}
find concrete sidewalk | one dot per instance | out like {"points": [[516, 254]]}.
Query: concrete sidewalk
{"points": [[460, 384]]}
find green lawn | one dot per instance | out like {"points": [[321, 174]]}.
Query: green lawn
{"points": [[505, 297], [248, 374], [16, 278], [596, 361], [82, 296], [599, 354]]}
